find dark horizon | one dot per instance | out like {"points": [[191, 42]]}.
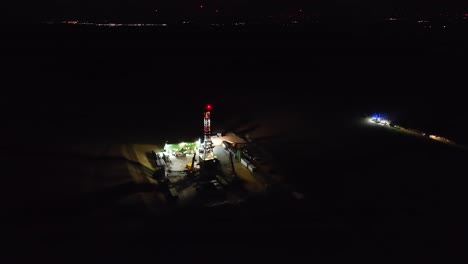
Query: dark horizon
{"points": [[105, 9]]}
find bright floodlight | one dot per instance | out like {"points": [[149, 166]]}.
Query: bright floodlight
{"points": [[379, 118]]}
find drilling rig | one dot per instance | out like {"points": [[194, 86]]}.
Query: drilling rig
{"points": [[208, 161]]}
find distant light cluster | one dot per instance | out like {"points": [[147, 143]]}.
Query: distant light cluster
{"points": [[439, 138], [381, 119], [73, 22], [292, 19]]}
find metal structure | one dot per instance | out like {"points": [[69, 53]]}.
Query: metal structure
{"points": [[207, 143]]}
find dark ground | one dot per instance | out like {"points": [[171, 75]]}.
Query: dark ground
{"points": [[371, 194]]}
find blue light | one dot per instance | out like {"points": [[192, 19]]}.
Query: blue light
{"points": [[378, 116]]}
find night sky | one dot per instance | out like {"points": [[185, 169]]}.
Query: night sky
{"points": [[102, 9]]}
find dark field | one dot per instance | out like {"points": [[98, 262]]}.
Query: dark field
{"points": [[72, 101]]}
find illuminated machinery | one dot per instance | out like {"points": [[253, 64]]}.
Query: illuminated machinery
{"points": [[380, 119], [207, 154]]}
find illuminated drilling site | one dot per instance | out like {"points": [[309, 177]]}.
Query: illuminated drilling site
{"points": [[212, 170]]}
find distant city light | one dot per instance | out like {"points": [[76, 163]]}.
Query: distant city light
{"points": [[201, 6], [108, 24]]}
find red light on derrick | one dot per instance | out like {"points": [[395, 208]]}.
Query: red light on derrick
{"points": [[208, 107]]}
